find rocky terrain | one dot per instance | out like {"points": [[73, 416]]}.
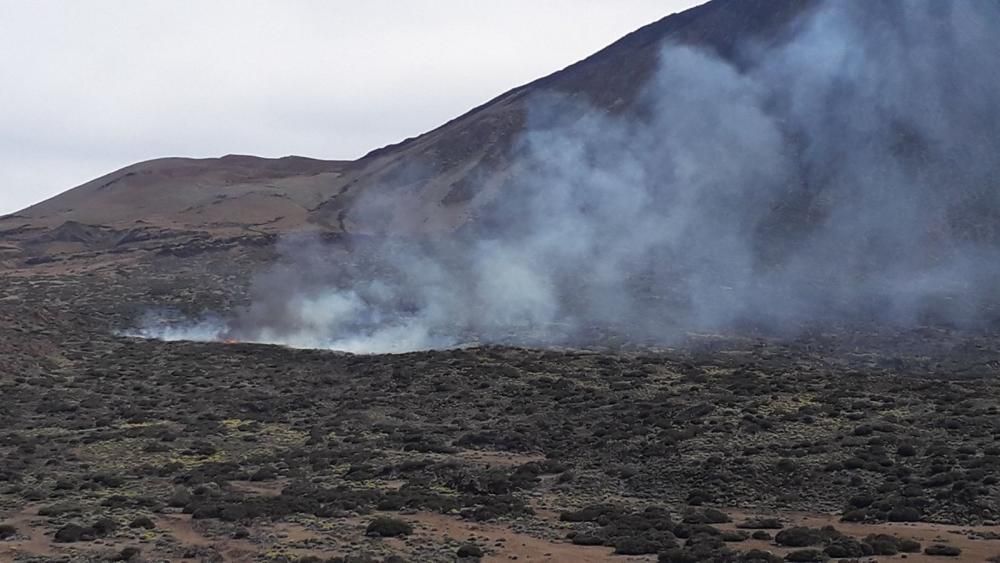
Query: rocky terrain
{"points": [[840, 444]]}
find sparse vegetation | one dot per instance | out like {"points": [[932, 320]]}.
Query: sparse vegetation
{"points": [[244, 437]]}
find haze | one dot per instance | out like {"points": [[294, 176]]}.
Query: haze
{"points": [[91, 87]]}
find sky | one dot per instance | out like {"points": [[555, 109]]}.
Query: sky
{"points": [[90, 87]]}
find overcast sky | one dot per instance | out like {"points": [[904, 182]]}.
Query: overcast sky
{"points": [[87, 87]]}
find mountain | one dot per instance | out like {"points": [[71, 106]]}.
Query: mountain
{"points": [[435, 182]]}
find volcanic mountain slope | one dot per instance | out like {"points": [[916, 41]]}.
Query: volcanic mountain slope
{"points": [[436, 182]]}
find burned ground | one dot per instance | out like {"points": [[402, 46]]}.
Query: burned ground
{"points": [[210, 451]]}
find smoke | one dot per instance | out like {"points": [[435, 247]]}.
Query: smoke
{"points": [[170, 324], [848, 174]]}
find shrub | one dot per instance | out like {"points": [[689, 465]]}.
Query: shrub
{"points": [[105, 527], [845, 548], [180, 498], [587, 539], [34, 494], [761, 535], [489, 507], [943, 550], [469, 550], [65, 484], [73, 533], [678, 555], [786, 465], [806, 555], [60, 508], [7, 531], [265, 473], [685, 531], [698, 498], [735, 536], [857, 515], [864, 430], [861, 501], [705, 542], [798, 537], [759, 556], [142, 522], [128, 554], [883, 547], [853, 463], [706, 516], [388, 527], [904, 514], [108, 480], [636, 546], [590, 513]]}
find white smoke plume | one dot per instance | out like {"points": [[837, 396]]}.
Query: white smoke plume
{"points": [[848, 174]]}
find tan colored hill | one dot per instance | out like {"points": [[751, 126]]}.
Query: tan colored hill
{"points": [[168, 203], [185, 193]]}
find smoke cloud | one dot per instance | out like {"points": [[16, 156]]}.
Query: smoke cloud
{"points": [[848, 174]]}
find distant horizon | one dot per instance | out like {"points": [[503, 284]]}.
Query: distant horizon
{"points": [[331, 81]]}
